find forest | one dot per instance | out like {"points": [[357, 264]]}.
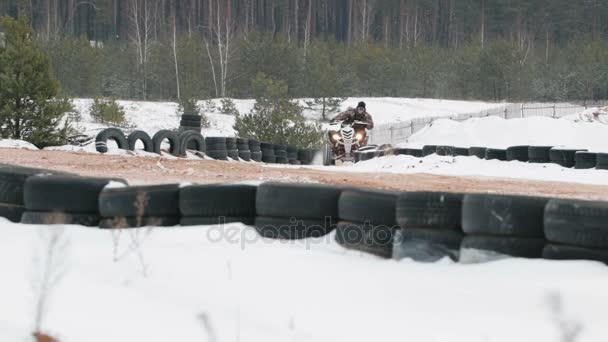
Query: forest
{"points": [[492, 50]]}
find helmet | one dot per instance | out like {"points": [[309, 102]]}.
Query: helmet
{"points": [[361, 105]]}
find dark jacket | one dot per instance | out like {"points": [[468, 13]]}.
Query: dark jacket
{"points": [[352, 115]]}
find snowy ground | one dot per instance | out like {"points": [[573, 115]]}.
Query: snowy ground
{"points": [[200, 287]]}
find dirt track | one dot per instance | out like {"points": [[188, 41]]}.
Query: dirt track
{"points": [[145, 170]]}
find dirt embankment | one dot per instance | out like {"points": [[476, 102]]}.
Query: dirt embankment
{"points": [[146, 170]]}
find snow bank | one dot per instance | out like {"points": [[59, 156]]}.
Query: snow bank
{"points": [[205, 286], [500, 133], [599, 115], [9, 143]]}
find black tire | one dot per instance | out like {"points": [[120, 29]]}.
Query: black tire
{"points": [[244, 148], [69, 194], [577, 223], [12, 182], [302, 201], [502, 215], [265, 145], [602, 161], [408, 152], [585, 160], [255, 149], [256, 156], [268, 152], [55, 218], [483, 248], [292, 155], [428, 150], [461, 151], [183, 129], [292, 228], [269, 160], [133, 222], [375, 240], [373, 207], [368, 155], [192, 117], [560, 252], [142, 136], [157, 200], [496, 154], [305, 155], [215, 200], [216, 147], [430, 210], [190, 123], [11, 212], [217, 154], [479, 152], [282, 160], [242, 141], [254, 142], [101, 140], [233, 154], [215, 141], [215, 221], [189, 138], [173, 138], [231, 143], [518, 153], [245, 155], [280, 153], [447, 151], [539, 154], [426, 245], [563, 156]]}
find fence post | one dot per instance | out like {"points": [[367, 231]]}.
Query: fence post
{"points": [[391, 129], [505, 112], [554, 111], [522, 110]]}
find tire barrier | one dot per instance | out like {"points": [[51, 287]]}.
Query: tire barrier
{"points": [[101, 140], [479, 152], [496, 154], [411, 152], [60, 199], [602, 161], [563, 157], [421, 226], [585, 160], [428, 150], [140, 206], [142, 136], [518, 153], [539, 154], [280, 152], [244, 149], [191, 140], [446, 151], [268, 155], [231, 148], [172, 137]]}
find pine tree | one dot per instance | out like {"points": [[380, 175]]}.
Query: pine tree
{"points": [[30, 106]]}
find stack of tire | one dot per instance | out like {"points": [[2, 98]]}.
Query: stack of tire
{"points": [[268, 155], [242, 146], [585, 160], [256, 150], [500, 226], [367, 221], [430, 226], [139, 206], [292, 155], [306, 156], [217, 204], [602, 161], [190, 122], [563, 156], [539, 154], [296, 211], [280, 152], [61, 199], [217, 148], [12, 184], [232, 149], [576, 230]]}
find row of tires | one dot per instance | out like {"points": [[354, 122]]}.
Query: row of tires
{"points": [[577, 158], [420, 225], [219, 148]]}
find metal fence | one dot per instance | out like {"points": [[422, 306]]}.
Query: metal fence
{"points": [[398, 132]]}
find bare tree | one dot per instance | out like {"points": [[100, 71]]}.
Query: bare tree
{"points": [[175, 58], [141, 15], [223, 31]]}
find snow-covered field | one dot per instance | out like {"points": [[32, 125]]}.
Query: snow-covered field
{"points": [[204, 285]]}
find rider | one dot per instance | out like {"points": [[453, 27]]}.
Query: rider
{"points": [[356, 114]]}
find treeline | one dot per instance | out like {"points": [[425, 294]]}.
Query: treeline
{"points": [[461, 49]]}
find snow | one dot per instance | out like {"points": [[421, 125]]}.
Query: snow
{"points": [[9, 143], [497, 132], [209, 284]]}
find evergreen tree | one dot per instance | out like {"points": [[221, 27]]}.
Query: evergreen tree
{"points": [[30, 106]]}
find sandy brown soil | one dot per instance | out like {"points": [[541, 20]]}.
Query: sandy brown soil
{"points": [[146, 170]]}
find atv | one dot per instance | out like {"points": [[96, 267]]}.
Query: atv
{"points": [[342, 143]]}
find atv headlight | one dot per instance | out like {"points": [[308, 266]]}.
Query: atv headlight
{"points": [[335, 137], [359, 136]]}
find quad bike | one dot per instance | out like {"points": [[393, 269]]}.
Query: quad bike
{"points": [[343, 143]]}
